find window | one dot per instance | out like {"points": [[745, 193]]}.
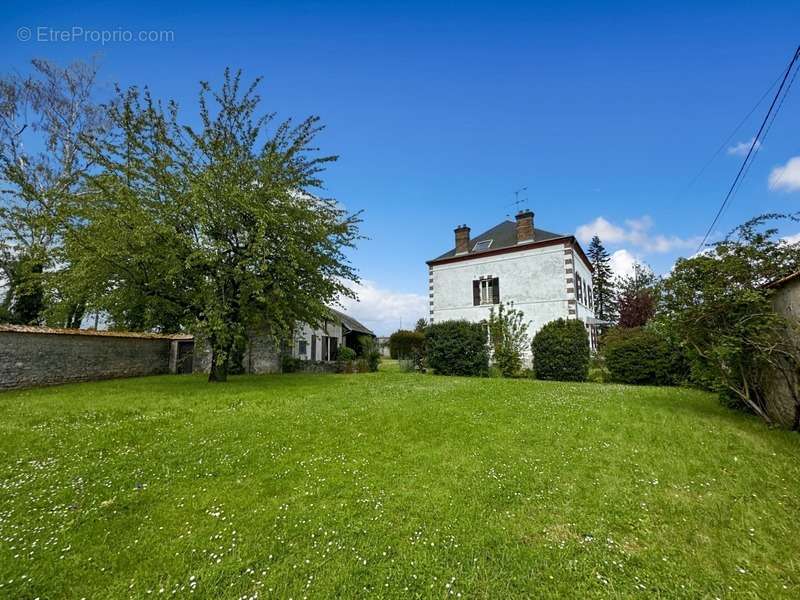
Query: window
{"points": [[486, 290], [578, 288], [482, 245], [302, 348]]}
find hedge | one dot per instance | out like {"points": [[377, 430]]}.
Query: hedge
{"points": [[406, 344], [457, 348], [641, 356], [561, 351]]}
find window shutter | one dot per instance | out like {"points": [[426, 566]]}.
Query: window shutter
{"points": [[476, 292], [496, 290]]}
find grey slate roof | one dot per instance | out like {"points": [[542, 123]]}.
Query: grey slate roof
{"points": [[350, 323], [503, 235]]}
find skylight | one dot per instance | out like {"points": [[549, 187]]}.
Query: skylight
{"points": [[482, 245]]}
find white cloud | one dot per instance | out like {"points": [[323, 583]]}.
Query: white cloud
{"points": [[742, 148], [622, 262], [792, 239], [636, 232], [384, 310], [787, 177]]}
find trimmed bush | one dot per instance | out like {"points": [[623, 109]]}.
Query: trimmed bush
{"points": [[457, 348], [642, 357], [406, 344], [347, 354], [561, 351]]}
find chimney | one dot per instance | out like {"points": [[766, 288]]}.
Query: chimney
{"points": [[462, 239], [524, 227]]}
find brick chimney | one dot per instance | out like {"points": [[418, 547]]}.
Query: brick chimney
{"points": [[462, 239], [524, 227]]}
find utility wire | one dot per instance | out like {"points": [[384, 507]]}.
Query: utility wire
{"points": [[753, 146], [730, 137]]}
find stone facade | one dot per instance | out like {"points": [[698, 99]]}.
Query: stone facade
{"points": [[35, 356], [781, 394], [261, 355]]}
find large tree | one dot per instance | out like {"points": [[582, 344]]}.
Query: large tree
{"points": [[719, 307], [602, 281], [44, 119], [637, 296], [211, 228]]}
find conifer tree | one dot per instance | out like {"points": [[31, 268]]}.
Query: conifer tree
{"points": [[603, 281]]}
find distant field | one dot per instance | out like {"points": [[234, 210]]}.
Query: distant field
{"points": [[391, 485]]}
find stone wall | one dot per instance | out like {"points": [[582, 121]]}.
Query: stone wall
{"points": [[33, 356], [782, 387], [261, 355]]}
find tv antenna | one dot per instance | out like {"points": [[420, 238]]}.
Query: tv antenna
{"points": [[517, 200]]}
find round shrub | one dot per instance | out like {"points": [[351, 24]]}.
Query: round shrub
{"points": [[561, 351], [347, 354], [406, 344], [457, 348], [641, 357]]}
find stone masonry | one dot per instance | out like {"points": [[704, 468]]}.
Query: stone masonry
{"points": [[34, 356]]}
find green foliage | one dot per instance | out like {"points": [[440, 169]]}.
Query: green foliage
{"points": [[717, 305], [637, 296], [370, 352], [603, 281], [45, 119], [508, 339], [641, 356], [457, 348], [561, 351], [347, 354], [210, 228], [405, 344], [23, 302], [290, 364]]}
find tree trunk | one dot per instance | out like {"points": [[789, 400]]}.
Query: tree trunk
{"points": [[219, 368]]}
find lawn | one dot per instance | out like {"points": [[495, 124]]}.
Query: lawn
{"points": [[391, 485]]}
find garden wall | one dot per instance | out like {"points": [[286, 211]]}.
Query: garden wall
{"points": [[33, 356]]}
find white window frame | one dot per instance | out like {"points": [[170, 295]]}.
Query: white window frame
{"points": [[487, 291]]}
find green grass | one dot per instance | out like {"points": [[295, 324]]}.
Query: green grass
{"points": [[391, 484]]}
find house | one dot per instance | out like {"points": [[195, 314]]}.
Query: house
{"points": [[546, 275], [323, 343], [782, 386], [320, 344]]}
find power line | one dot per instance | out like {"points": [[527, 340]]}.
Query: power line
{"points": [[753, 146], [727, 140]]}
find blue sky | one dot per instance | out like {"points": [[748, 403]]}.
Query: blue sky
{"points": [[439, 111]]}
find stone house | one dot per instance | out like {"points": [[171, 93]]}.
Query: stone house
{"points": [[313, 344], [546, 275], [782, 388], [323, 343]]}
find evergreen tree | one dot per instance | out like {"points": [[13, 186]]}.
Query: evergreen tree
{"points": [[603, 281]]}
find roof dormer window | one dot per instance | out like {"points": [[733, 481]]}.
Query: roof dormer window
{"points": [[482, 245]]}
